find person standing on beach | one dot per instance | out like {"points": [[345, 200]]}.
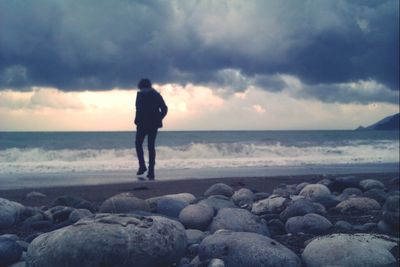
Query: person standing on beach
{"points": [[150, 111]]}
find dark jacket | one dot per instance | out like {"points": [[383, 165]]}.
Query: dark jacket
{"points": [[150, 109]]}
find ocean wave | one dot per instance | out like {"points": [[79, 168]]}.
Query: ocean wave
{"points": [[197, 155]]}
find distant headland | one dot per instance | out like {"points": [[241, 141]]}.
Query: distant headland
{"points": [[388, 123]]}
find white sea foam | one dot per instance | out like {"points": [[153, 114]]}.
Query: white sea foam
{"points": [[197, 155]]}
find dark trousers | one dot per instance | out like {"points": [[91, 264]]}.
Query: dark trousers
{"points": [[151, 139]]}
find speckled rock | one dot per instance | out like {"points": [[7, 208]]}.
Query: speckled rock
{"points": [[309, 224], [315, 191], [111, 240], [243, 198], [219, 189], [345, 250], [273, 204], [238, 220], [196, 216], [123, 203], [358, 204], [238, 249]]}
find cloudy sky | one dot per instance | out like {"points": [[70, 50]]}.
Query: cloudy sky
{"points": [[222, 64]]}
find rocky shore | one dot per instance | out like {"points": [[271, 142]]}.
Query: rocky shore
{"points": [[332, 221]]}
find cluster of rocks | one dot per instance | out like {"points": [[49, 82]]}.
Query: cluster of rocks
{"points": [[295, 225]]}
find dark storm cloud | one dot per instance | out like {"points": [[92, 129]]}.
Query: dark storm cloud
{"points": [[76, 45]]}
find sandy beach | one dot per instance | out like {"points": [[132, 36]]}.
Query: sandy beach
{"points": [[147, 189]]}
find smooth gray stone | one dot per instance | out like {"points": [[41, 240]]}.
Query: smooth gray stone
{"points": [[187, 197], [378, 194], [218, 202], [358, 204], [309, 224], [170, 207], [366, 227], [196, 216], [111, 240], [243, 197], [10, 251], [34, 196], [261, 195], [216, 263], [73, 202], [301, 207], [368, 184], [10, 213], [343, 226], [19, 264], [390, 211], [349, 250], [78, 214], [273, 204], [194, 236], [349, 192], [123, 203], [219, 189], [10, 236], [62, 215], [385, 228], [238, 220], [238, 249], [315, 191]]}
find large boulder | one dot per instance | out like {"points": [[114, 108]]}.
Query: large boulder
{"points": [[243, 198], [238, 249], [196, 216], [111, 240], [10, 251], [368, 184], [301, 207], [346, 250], [123, 203], [391, 217], [219, 189], [10, 213], [218, 202], [358, 204], [273, 204], [309, 224], [238, 220]]}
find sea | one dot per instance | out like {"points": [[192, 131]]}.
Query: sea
{"points": [[32, 159]]}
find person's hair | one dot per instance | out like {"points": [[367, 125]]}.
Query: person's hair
{"points": [[144, 83]]}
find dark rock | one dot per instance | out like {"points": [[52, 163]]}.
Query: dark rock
{"points": [[340, 183], [219, 189], [343, 226], [170, 207], [300, 187], [390, 211], [238, 249], [366, 227], [377, 194], [309, 224], [238, 220], [300, 207], [368, 184], [73, 202], [10, 251], [349, 192], [62, 215], [261, 195], [194, 236], [218, 202], [10, 212], [78, 214], [196, 216], [276, 227], [32, 236]]}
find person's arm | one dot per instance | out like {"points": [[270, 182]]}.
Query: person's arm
{"points": [[136, 108], [163, 107]]}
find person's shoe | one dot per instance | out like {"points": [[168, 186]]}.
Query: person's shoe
{"points": [[150, 174], [141, 170]]}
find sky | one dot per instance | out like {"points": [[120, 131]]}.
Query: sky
{"points": [[219, 64]]}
